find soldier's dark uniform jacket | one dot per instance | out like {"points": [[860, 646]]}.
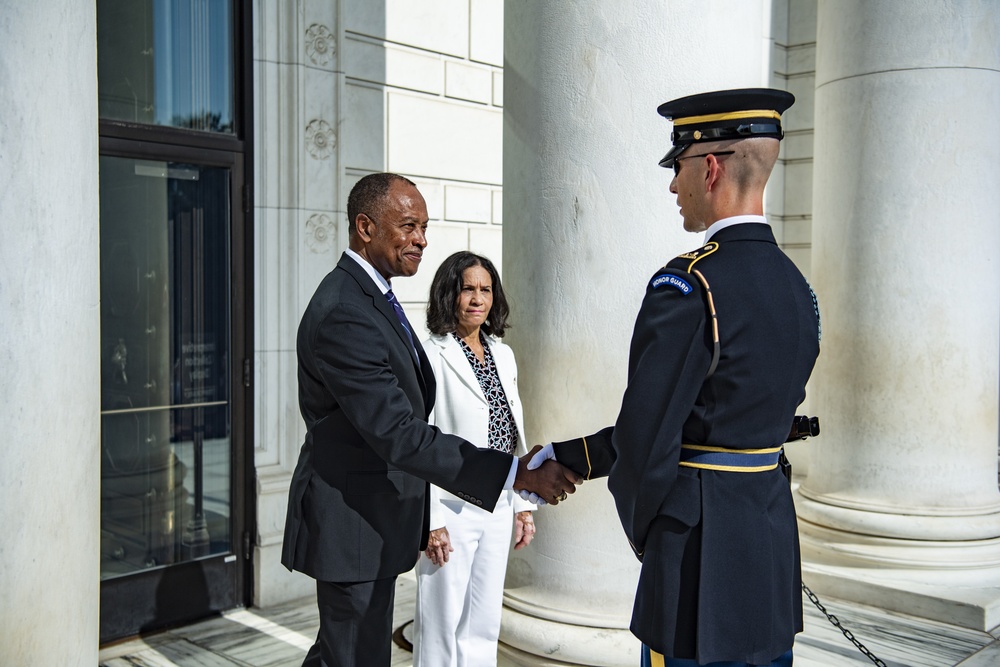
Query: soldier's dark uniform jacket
{"points": [[720, 573]]}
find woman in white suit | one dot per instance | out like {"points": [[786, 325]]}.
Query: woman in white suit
{"points": [[460, 576]]}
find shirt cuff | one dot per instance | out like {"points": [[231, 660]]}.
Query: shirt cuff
{"points": [[509, 484]]}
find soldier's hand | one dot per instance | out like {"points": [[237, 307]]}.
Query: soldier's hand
{"points": [[539, 455], [551, 482]]}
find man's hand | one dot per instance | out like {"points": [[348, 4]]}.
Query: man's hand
{"points": [[524, 529], [536, 457], [550, 482], [439, 546]]}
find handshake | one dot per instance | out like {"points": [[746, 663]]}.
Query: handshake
{"points": [[543, 480]]}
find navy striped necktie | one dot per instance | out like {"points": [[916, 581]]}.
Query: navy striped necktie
{"points": [[402, 320]]}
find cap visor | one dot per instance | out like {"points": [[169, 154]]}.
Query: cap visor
{"points": [[668, 159]]}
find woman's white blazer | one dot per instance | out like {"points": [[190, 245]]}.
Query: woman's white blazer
{"points": [[461, 407]]}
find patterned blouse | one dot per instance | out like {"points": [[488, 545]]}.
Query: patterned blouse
{"points": [[503, 431]]}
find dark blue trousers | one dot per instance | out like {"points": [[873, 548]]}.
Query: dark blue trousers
{"points": [[652, 659]]}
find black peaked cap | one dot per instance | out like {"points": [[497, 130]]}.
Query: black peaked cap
{"points": [[724, 114]]}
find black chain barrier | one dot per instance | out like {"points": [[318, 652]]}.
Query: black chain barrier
{"points": [[836, 623]]}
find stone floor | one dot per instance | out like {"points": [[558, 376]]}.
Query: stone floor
{"points": [[280, 636]]}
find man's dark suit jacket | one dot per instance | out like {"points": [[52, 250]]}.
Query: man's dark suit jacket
{"points": [[357, 507], [720, 576]]}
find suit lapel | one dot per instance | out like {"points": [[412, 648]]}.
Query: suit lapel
{"points": [[453, 355], [427, 376], [383, 306]]}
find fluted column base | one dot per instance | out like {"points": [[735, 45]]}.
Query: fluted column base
{"points": [[529, 641], [918, 538], [956, 582]]}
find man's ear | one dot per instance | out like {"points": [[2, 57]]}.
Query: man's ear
{"points": [[364, 227]]}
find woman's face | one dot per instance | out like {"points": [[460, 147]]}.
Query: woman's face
{"points": [[474, 300]]}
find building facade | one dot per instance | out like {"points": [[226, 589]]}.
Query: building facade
{"points": [[176, 174]]}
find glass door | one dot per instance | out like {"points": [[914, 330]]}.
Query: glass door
{"points": [[176, 507], [168, 510], [165, 313]]}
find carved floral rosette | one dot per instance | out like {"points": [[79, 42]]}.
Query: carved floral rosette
{"points": [[321, 140], [319, 233], [320, 44]]}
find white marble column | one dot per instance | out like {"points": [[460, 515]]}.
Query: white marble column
{"points": [[50, 473], [587, 219], [901, 507]]}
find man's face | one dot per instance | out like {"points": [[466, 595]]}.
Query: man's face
{"points": [[398, 237], [689, 184]]}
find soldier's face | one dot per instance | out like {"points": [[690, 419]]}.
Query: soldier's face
{"points": [[688, 185]]}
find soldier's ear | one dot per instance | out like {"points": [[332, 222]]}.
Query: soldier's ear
{"points": [[712, 174]]}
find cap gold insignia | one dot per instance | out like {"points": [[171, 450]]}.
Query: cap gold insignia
{"points": [[697, 135]]}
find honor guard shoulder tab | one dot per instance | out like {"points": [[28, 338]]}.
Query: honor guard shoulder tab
{"points": [[686, 263], [668, 275]]}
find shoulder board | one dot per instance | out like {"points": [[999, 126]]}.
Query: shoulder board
{"points": [[687, 260]]}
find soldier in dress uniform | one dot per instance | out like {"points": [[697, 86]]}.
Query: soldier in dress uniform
{"points": [[723, 345]]}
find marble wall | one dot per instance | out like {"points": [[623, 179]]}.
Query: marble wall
{"points": [[793, 68], [788, 199]]}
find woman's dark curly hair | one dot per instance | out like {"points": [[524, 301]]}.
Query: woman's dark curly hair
{"points": [[442, 317]]}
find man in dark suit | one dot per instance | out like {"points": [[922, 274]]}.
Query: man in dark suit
{"points": [[723, 345], [358, 508]]}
